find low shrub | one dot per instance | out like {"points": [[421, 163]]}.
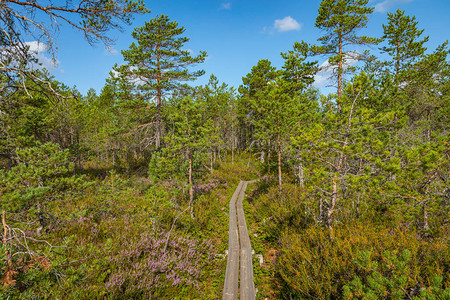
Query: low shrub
{"points": [[360, 259]]}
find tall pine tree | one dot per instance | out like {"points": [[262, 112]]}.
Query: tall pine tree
{"points": [[340, 19], [157, 63], [403, 38]]}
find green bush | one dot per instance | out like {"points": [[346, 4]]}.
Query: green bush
{"points": [[43, 171], [279, 211], [362, 259], [391, 275]]}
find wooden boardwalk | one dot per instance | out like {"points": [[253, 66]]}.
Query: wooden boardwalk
{"points": [[239, 251]]}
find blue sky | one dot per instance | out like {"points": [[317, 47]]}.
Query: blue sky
{"points": [[235, 34]]}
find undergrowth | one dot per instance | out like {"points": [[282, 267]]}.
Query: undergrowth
{"points": [[119, 236]]}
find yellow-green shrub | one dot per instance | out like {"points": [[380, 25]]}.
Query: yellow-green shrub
{"points": [[314, 267]]}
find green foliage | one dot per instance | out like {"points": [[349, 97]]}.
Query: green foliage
{"points": [[157, 65], [220, 107], [362, 262], [402, 36], [278, 210], [158, 58], [42, 173], [371, 164], [297, 71], [252, 88], [340, 20], [394, 278], [190, 135]]}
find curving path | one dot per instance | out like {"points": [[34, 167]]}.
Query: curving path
{"points": [[239, 251]]}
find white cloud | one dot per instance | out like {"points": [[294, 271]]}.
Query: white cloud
{"points": [[38, 49], [287, 24], [225, 6], [350, 59], [111, 51], [323, 77], [321, 80], [385, 5]]}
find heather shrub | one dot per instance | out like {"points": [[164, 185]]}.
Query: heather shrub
{"points": [[158, 266], [313, 266]]}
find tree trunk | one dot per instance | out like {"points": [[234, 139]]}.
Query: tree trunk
{"points": [[232, 155], [332, 207], [232, 134], [158, 99], [301, 177], [357, 207], [191, 189], [321, 211], [158, 125], [426, 226], [279, 162], [397, 63], [340, 71], [211, 169]]}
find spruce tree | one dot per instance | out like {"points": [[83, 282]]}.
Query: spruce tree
{"points": [[157, 62], [403, 38], [340, 19]]}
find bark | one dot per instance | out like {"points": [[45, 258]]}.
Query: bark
{"points": [[232, 134], [429, 125], [191, 189], [211, 163], [279, 162], [332, 207], [426, 226], [158, 123], [357, 207], [342, 158], [397, 64], [340, 67], [158, 99], [301, 177], [321, 211], [232, 155]]}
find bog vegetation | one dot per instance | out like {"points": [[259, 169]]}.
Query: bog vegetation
{"points": [[123, 194]]}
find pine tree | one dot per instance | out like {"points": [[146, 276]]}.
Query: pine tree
{"points": [[190, 135], [403, 38], [157, 63], [41, 21], [280, 114], [297, 71], [340, 19], [253, 84], [218, 98]]}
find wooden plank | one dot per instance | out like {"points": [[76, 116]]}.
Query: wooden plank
{"points": [[247, 285], [230, 290]]}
